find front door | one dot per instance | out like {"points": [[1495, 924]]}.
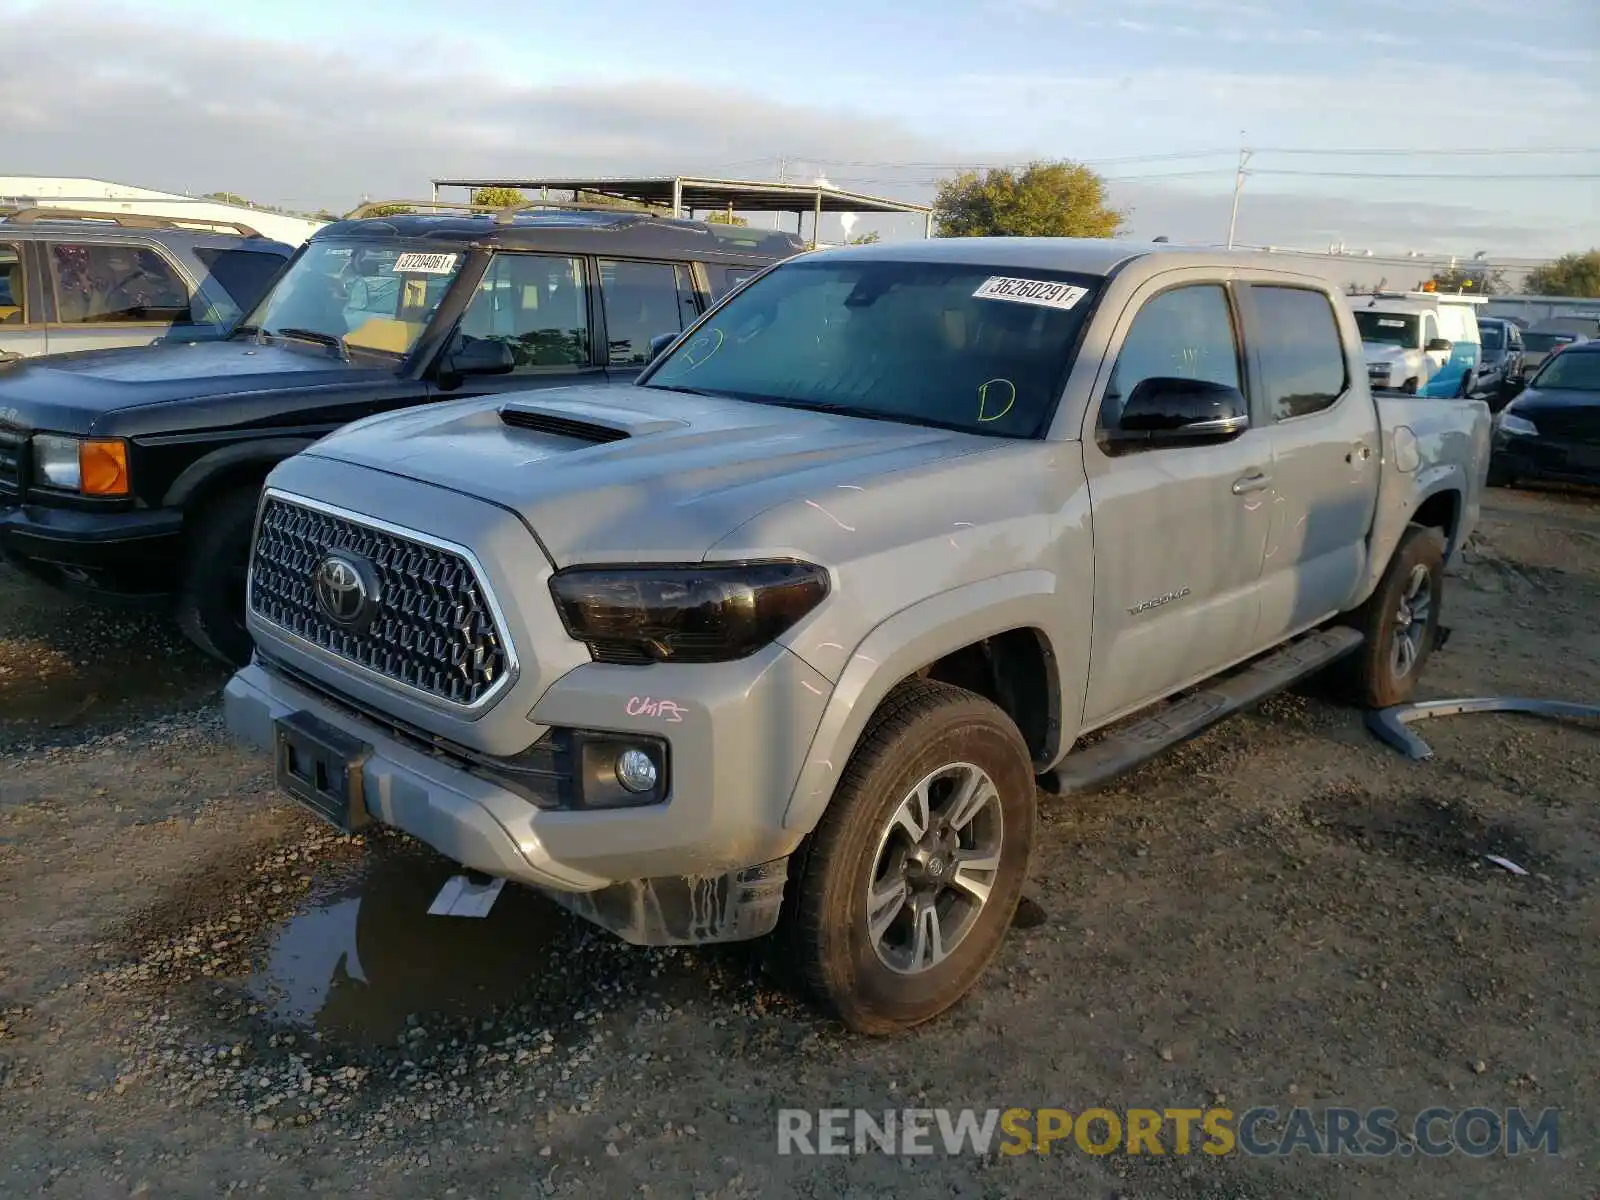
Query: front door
{"points": [[1326, 449], [540, 306], [1179, 531]]}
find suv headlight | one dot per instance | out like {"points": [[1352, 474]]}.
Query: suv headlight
{"points": [[689, 614], [91, 466], [1511, 423]]}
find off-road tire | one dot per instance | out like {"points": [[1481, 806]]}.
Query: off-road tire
{"points": [[1369, 676], [921, 726], [210, 607], [1410, 386], [1500, 477]]}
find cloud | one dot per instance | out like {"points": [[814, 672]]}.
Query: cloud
{"points": [[111, 94]]}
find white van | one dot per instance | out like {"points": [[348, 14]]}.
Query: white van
{"points": [[1421, 342]]}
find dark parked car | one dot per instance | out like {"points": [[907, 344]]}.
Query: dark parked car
{"points": [[1539, 344], [134, 473], [1552, 430], [1500, 364], [80, 280]]}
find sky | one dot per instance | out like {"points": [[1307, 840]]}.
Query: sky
{"points": [[306, 103]]}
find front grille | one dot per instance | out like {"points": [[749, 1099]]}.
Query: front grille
{"points": [[431, 628], [13, 446], [1569, 425]]}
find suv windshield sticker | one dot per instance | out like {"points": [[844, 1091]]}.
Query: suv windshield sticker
{"points": [[1391, 323], [424, 264], [1030, 291]]}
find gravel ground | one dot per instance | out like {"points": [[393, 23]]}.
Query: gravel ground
{"points": [[204, 992]]}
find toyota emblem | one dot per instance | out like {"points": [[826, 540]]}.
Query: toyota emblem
{"points": [[345, 590]]}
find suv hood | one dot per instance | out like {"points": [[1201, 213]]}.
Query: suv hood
{"points": [[69, 393], [626, 474]]}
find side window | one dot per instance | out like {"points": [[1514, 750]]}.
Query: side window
{"points": [[102, 282], [538, 305], [725, 279], [1301, 354], [1185, 333], [643, 300], [13, 294]]}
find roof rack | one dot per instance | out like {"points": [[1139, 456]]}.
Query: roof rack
{"points": [[31, 216], [503, 214]]}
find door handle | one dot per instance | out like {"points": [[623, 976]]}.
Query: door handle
{"points": [[1254, 482]]}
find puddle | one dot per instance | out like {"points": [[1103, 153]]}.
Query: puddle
{"points": [[356, 964], [1427, 831]]}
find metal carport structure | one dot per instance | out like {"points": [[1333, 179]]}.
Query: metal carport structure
{"points": [[684, 195]]}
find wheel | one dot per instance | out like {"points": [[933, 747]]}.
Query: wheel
{"points": [[210, 608], [909, 883], [1410, 386], [1400, 622]]}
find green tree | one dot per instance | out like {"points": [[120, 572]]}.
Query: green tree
{"points": [[229, 198], [1044, 199], [498, 197], [864, 239], [391, 210], [722, 216], [1570, 275]]}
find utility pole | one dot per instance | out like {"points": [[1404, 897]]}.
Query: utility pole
{"points": [[1238, 186]]}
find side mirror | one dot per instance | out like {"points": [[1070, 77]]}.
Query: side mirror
{"points": [[480, 356], [1163, 411], [659, 343], [1440, 345]]}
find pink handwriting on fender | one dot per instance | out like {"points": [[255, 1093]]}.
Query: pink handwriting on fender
{"points": [[667, 710]]}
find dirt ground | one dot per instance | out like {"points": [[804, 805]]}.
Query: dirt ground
{"points": [[202, 992]]}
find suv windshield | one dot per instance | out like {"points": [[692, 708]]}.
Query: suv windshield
{"points": [[957, 346], [1570, 371], [1387, 328], [359, 296]]}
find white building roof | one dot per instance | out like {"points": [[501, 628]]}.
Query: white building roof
{"points": [[104, 196]]}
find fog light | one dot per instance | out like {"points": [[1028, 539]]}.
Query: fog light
{"points": [[636, 771]]}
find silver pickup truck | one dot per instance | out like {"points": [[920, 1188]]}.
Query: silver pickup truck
{"points": [[783, 636]]}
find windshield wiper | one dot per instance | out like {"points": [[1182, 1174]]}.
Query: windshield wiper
{"points": [[317, 336], [870, 414], [689, 391]]}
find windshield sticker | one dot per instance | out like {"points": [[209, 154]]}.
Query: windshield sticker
{"points": [[702, 348], [998, 394], [424, 264], [1390, 323], [1030, 291]]}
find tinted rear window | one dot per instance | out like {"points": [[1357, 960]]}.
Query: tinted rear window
{"points": [[244, 274]]}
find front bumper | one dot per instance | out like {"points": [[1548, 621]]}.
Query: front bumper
{"points": [[736, 745], [134, 555], [1536, 457]]}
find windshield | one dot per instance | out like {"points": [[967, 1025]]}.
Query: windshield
{"points": [[1573, 371], [1546, 341], [963, 347], [361, 297], [1494, 337], [1387, 328]]}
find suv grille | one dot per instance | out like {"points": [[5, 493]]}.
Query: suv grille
{"points": [[430, 628], [12, 448]]}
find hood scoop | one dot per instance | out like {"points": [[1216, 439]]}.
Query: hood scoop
{"points": [[560, 426]]}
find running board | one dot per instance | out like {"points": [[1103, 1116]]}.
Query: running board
{"points": [[1179, 720]]}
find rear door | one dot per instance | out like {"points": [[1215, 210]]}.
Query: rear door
{"points": [[641, 301], [1326, 453], [22, 329], [112, 293]]}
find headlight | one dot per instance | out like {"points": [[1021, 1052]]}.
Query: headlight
{"points": [[1511, 423], [92, 466], [692, 614]]}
